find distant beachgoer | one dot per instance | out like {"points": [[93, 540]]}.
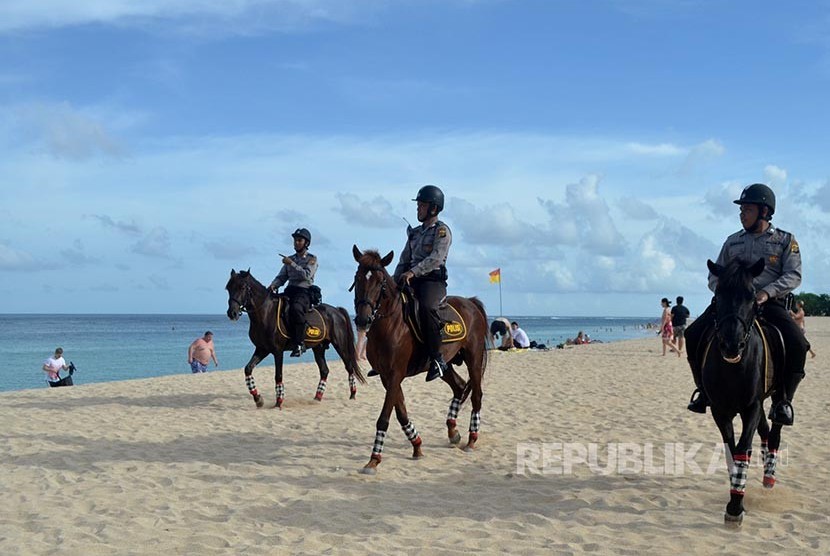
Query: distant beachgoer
{"points": [[200, 353], [53, 366], [679, 316], [581, 338], [501, 326], [666, 330], [798, 317], [520, 339]]}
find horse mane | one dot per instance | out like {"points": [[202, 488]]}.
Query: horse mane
{"points": [[246, 275], [371, 258]]}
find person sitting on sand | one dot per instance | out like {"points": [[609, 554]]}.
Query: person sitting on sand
{"points": [[581, 338], [501, 326]]}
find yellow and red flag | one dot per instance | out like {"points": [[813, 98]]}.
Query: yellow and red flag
{"points": [[495, 276]]}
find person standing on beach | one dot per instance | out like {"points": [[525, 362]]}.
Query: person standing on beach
{"points": [[781, 275], [298, 270], [666, 330], [423, 267], [679, 316], [200, 352], [53, 366], [798, 317]]}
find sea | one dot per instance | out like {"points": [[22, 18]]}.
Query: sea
{"points": [[110, 347]]}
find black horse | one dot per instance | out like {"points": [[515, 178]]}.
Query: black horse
{"points": [[246, 294], [738, 360]]}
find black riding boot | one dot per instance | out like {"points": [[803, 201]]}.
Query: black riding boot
{"points": [[437, 367], [782, 413]]}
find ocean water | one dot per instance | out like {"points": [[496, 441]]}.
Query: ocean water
{"points": [[120, 347]]}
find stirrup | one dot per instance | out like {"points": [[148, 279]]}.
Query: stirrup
{"points": [[782, 413], [436, 369], [697, 404]]}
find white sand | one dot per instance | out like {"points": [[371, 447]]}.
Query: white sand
{"points": [[188, 465]]}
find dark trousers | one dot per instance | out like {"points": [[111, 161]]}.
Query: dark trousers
{"points": [[429, 294], [774, 312], [299, 305]]}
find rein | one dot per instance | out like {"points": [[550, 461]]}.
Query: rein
{"points": [[746, 323], [246, 296]]}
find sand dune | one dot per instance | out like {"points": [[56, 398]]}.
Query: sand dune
{"points": [[188, 465]]}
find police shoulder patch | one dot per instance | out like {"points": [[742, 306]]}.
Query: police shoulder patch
{"points": [[794, 246], [312, 259], [442, 232]]}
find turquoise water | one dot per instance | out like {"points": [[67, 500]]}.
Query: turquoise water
{"points": [[119, 347]]}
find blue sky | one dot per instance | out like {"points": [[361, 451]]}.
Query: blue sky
{"points": [[591, 149]]}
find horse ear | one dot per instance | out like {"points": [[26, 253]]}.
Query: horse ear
{"points": [[233, 273], [714, 268], [356, 252], [757, 268], [387, 259]]}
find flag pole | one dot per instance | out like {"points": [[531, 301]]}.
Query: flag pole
{"points": [[501, 312]]}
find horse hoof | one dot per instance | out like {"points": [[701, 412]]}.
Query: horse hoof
{"points": [[368, 471], [733, 521], [456, 439], [278, 405], [318, 398], [259, 401], [469, 448], [353, 396], [769, 482]]}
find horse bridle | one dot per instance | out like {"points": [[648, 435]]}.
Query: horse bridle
{"points": [[746, 323], [247, 297], [374, 306]]}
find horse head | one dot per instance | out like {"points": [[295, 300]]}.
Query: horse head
{"points": [[371, 284], [239, 293], [735, 306]]}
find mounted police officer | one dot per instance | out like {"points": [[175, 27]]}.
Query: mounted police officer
{"points": [[298, 270], [781, 275], [423, 266]]}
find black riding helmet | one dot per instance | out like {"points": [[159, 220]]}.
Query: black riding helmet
{"points": [[303, 233], [758, 194], [432, 195]]}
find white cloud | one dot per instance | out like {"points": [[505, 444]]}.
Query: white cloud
{"points": [[237, 17], [16, 260], [775, 176], [156, 243], [377, 213], [636, 209]]}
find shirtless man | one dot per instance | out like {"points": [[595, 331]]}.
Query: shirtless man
{"points": [[201, 352]]}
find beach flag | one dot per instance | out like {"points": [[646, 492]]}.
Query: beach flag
{"points": [[495, 276]]}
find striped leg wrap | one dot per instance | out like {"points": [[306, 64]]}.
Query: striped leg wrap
{"points": [[377, 449], [352, 383], [452, 414], [249, 382], [321, 389], [764, 450], [280, 393], [770, 460], [475, 421], [411, 433], [737, 477]]}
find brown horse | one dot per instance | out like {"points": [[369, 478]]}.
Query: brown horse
{"points": [[247, 295], [394, 352]]}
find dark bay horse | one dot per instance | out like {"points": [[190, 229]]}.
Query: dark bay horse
{"points": [[246, 294], [736, 367], [395, 354]]}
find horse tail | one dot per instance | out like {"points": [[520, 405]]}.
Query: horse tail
{"points": [[480, 306], [349, 348]]}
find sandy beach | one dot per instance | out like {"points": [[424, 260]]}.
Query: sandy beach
{"points": [[187, 465]]}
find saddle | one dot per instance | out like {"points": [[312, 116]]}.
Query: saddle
{"points": [[315, 330], [775, 351], [453, 327]]}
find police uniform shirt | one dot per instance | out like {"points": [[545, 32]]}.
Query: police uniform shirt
{"points": [[300, 272], [426, 249], [781, 254]]}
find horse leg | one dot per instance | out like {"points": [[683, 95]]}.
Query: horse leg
{"points": [[476, 372], [320, 359], [407, 426], [457, 384], [280, 387], [771, 456], [750, 417], [392, 386], [249, 377]]}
